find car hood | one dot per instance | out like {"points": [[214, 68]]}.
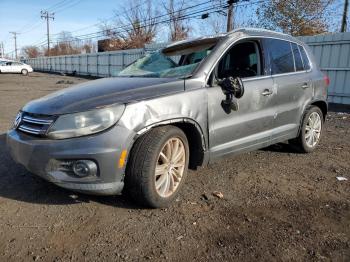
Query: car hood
{"points": [[103, 92]]}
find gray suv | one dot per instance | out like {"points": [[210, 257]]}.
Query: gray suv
{"points": [[184, 106]]}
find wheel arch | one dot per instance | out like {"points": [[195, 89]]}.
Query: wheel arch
{"points": [[321, 104], [194, 133]]}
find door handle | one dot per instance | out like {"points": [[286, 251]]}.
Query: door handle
{"points": [[267, 92], [305, 85]]}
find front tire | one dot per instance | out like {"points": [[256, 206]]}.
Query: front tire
{"points": [[311, 130], [157, 166], [24, 72]]}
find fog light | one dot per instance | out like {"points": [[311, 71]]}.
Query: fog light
{"points": [[83, 168]]}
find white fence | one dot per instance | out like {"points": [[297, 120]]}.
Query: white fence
{"points": [[96, 64]]}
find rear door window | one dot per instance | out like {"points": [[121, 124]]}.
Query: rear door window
{"points": [[281, 56]]}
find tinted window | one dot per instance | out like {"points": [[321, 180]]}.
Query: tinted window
{"points": [[305, 58], [242, 60], [297, 58], [281, 56]]}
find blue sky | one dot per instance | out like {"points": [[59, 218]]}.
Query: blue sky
{"points": [[24, 15], [71, 15]]}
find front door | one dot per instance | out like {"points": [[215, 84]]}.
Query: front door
{"points": [[250, 126]]}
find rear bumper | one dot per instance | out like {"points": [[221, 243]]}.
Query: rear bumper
{"points": [[37, 154]]}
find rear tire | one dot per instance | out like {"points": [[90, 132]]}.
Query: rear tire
{"points": [[24, 72], [310, 131], [157, 166]]}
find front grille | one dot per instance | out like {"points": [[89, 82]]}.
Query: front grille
{"points": [[35, 124]]}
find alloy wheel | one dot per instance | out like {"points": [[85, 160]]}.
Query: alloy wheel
{"points": [[313, 129], [170, 167]]}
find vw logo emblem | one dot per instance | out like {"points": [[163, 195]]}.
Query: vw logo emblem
{"points": [[17, 120]]}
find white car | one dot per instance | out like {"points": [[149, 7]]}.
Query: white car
{"points": [[15, 67]]}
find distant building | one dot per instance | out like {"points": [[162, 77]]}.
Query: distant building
{"points": [[110, 45]]}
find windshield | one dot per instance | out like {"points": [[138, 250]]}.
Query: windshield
{"points": [[168, 63]]}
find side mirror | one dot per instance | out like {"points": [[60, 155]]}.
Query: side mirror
{"points": [[231, 87]]}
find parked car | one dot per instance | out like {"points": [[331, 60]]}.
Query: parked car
{"points": [[15, 67], [187, 105]]}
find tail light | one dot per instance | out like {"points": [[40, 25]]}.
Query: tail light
{"points": [[326, 80]]}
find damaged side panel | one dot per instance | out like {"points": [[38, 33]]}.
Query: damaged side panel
{"points": [[190, 107]]}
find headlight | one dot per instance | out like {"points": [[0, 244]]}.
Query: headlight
{"points": [[85, 123]]}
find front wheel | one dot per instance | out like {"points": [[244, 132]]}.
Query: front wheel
{"points": [[157, 166], [24, 72], [311, 130]]}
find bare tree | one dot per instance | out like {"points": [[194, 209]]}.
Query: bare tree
{"points": [[31, 51], [66, 45], [295, 17], [87, 47], [178, 28], [135, 28]]}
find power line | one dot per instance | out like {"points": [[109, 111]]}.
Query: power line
{"points": [[194, 14], [109, 18], [191, 16], [35, 23], [102, 32], [57, 5], [71, 4]]}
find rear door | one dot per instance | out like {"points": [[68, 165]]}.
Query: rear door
{"points": [[16, 67], [250, 126], [294, 87]]}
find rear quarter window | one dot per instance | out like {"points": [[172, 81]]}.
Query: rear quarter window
{"points": [[281, 56], [305, 58], [297, 57]]}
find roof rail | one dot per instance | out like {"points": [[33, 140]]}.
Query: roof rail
{"points": [[254, 29]]}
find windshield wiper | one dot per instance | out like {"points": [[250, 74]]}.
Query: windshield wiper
{"points": [[186, 76], [148, 75]]}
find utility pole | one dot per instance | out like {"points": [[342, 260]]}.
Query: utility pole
{"points": [[230, 14], [15, 37], [46, 15], [2, 49], [345, 17]]}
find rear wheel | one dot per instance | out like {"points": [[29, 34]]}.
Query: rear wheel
{"points": [[157, 166], [311, 130], [24, 72]]}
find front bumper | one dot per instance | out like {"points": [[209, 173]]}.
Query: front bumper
{"points": [[104, 148]]}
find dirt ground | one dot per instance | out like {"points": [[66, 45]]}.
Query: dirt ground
{"points": [[278, 205]]}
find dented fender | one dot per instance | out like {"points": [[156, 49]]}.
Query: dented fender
{"points": [[186, 107]]}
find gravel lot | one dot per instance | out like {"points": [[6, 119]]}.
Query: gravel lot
{"points": [[277, 205]]}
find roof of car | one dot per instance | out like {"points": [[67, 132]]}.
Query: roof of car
{"points": [[261, 32], [258, 32]]}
